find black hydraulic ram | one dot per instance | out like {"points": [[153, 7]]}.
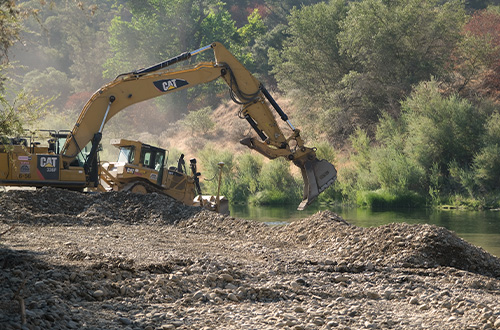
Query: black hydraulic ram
{"points": [[171, 61], [276, 107], [255, 127]]}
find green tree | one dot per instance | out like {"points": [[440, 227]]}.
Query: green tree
{"points": [[487, 160], [476, 57], [247, 183], [441, 129], [395, 45], [441, 145], [310, 62], [87, 38], [17, 114], [19, 109], [218, 26], [199, 121], [9, 33], [49, 83], [278, 186], [209, 158], [155, 30], [62, 36], [253, 30], [152, 31]]}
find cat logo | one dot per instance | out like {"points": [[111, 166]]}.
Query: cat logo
{"points": [[48, 167], [48, 162], [167, 85]]}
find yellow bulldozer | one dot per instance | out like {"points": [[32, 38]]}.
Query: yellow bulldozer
{"points": [[73, 163], [142, 168]]}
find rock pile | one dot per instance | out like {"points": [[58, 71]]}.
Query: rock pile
{"points": [[64, 207], [397, 244], [126, 261]]}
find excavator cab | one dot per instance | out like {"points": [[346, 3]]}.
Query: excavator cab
{"points": [[34, 160]]}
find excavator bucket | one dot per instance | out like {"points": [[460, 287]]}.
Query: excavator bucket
{"points": [[318, 175]]}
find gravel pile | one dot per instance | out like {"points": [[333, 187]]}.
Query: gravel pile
{"points": [[124, 261], [396, 244], [62, 207]]}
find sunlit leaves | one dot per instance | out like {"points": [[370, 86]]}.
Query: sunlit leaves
{"points": [[19, 112]]}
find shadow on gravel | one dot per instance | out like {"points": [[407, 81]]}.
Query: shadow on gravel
{"points": [[28, 291]]}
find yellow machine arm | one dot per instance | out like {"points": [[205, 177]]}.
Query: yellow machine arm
{"points": [[157, 80]]}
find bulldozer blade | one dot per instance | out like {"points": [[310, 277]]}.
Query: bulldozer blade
{"points": [[318, 175]]}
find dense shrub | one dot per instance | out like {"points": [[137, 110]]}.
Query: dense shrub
{"points": [[383, 199], [247, 179]]}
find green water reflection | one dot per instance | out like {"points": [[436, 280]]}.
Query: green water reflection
{"points": [[481, 228]]}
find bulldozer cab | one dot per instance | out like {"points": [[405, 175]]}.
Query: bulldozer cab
{"points": [[154, 159], [141, 158], [126, 155]]}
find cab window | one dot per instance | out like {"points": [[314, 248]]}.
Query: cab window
{"points": [[159, 160], [126, 154], [146, 158]]}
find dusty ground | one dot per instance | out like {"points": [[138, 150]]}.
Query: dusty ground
{"points": [[125, 261]]}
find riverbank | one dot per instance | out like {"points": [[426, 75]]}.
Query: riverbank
{"points": [[125, 261]]}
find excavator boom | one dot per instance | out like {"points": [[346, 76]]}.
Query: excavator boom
{"points": [[256, 103]]}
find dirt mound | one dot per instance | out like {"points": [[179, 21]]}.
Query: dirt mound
{"points": [[356, 248], [63, 207], [396, 244], [126, 261]]}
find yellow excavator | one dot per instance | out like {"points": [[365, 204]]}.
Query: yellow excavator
{"points": [[74, 164]]}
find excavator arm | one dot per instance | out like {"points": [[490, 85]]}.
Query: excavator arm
{"points": [[246, 90]]}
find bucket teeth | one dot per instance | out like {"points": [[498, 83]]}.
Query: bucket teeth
{"points": [[318, 175]]}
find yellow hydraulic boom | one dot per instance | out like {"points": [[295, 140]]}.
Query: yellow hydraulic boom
{"points": [[133, 87]]}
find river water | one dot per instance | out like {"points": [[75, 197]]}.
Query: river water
{"points": [[481, 228]]}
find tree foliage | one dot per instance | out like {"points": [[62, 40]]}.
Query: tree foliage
{"points": [[199, 121], [154, 31], [21, 111], [9, 21], [310, 61], [348, 62], [477, 56], [442, 144], [395, 45], [441, 129], [47, 83], [20, 108], [9, 33], [486, 163]]}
